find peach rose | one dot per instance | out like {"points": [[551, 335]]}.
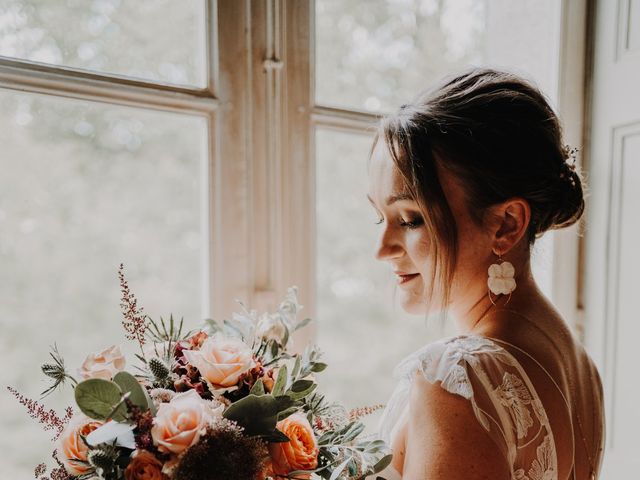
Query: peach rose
{"points": [[221, 360], [72, 449], [179, 423], [300, 452], [144, 466], [104, 364]]}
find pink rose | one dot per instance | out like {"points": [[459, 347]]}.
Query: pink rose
{"points": [[72, 449], [180, 423], [221, 360], [104, 364]]}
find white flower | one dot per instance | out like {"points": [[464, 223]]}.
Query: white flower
{"points": [[271, 327], [501, 279], [104, 364]]}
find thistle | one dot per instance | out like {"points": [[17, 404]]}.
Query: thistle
{"points": [[160, 372], [101, 459], [55, 370]]}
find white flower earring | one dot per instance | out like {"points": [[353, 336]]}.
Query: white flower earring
{"points": [[501, 279]]}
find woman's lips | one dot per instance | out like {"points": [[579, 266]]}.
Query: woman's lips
{"points": [[402, 279]]}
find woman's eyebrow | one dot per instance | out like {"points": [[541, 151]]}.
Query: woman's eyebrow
{"points": [[396, 197]]}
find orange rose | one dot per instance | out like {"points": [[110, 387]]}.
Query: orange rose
{"points": [[73, 450], [180, 423], [300, 452], [144, 466], [221, 360]]}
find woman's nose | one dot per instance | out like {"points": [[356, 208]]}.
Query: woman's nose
{"points": [[388, 246]]}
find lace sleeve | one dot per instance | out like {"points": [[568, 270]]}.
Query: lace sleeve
{"points": [[503, 399]]}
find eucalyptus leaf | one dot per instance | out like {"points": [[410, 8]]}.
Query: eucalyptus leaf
{"points": [[301, 389], [302, 323], [97, 397], [296, 367], [129, 383], [382, 463], [318, 367], [281, 381]]}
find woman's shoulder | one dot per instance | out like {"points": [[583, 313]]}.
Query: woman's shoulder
{"points": [[446, 356]]}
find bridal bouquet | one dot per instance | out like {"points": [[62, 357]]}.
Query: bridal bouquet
{"points": [[226, 401]]}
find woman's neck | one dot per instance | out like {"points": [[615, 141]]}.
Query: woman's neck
{"points": [[474, 313]]}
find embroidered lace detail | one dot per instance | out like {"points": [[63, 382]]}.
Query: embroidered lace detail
{"points": [[508, 406], [543, 467], [513, 394]]}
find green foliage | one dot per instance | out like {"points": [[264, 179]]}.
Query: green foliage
{"points": [[258, 415], [100, 399], [137, 394]]}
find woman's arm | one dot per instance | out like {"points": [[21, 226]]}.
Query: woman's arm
{"points": [[445, 441]]}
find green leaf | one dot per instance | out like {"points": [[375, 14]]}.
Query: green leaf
{"points": [[302, 324], [382, 463], [285, 413], [281, 381], [276, 436], [301, 389], [258, 388], [128, 383], [97, 398], [257, 414], [296, 367], [318, 367]]}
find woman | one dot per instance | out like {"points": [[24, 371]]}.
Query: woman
{"points": [[465, 179]]}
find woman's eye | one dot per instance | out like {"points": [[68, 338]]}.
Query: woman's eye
{"points": [[415, 223], [379, 221]]}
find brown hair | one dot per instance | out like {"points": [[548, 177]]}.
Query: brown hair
{"points": [[498, 135]]}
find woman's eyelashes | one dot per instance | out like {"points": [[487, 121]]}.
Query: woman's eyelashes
{"points": [[411, 224], [415, 223]]}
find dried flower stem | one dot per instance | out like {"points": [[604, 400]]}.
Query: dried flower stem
{"points": [[48, 418], [360, 412], [134, 321]]}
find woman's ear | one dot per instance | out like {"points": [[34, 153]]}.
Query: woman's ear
{"points": [[510, 222]]}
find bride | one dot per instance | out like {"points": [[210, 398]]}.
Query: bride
{"points": [[465, 179]]}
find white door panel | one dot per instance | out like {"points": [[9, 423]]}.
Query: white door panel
{"points": [[613, 229]]}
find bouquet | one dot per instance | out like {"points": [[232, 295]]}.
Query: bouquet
{"points": [[225, 401]]}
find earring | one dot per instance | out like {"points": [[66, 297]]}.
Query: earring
{"points": [[501, 278]]}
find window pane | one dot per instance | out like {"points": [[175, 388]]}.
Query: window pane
{"points": [[160, 40], [85, 186], [359, 324], [378, 54]]}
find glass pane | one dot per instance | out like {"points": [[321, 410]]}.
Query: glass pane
{"points": [[84, 187], [160, 40], [359, 324], [378, 54]]}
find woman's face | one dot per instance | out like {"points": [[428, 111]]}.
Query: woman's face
{"points": [[404, 242]]}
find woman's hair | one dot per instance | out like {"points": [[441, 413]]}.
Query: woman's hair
{"points": [[496, 133]]}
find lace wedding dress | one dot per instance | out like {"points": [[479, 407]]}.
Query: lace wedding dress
{"points": [[509, 408]]}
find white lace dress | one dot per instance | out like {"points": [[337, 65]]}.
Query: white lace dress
{"points": [[509, 408]]}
